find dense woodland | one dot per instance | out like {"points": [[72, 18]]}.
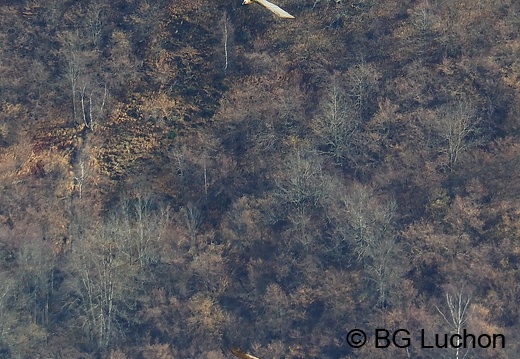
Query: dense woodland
{"points": [[182, 176]]}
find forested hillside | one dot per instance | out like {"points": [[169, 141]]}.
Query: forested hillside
{"points": [[180, 177]]}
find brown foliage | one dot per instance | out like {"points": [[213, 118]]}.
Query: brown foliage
{"points": [[365, 153]]}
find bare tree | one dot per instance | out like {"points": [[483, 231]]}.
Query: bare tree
{"points": [[362, 83], [192, 220], [300, 186], [36, 260], [83, 170], [150, 221], [105, 265], [71, 51], [457, 124], [337, 126], [299, 193], [366, 224], [93, 99], [227, 38], [423, 18], [456, 317], [95, 21], [89, 91]]}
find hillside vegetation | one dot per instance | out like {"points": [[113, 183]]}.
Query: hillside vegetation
{"points": [[179, 177]]}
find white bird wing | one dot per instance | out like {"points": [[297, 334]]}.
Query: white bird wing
{"points": [[240, 354], [275, 9]]}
